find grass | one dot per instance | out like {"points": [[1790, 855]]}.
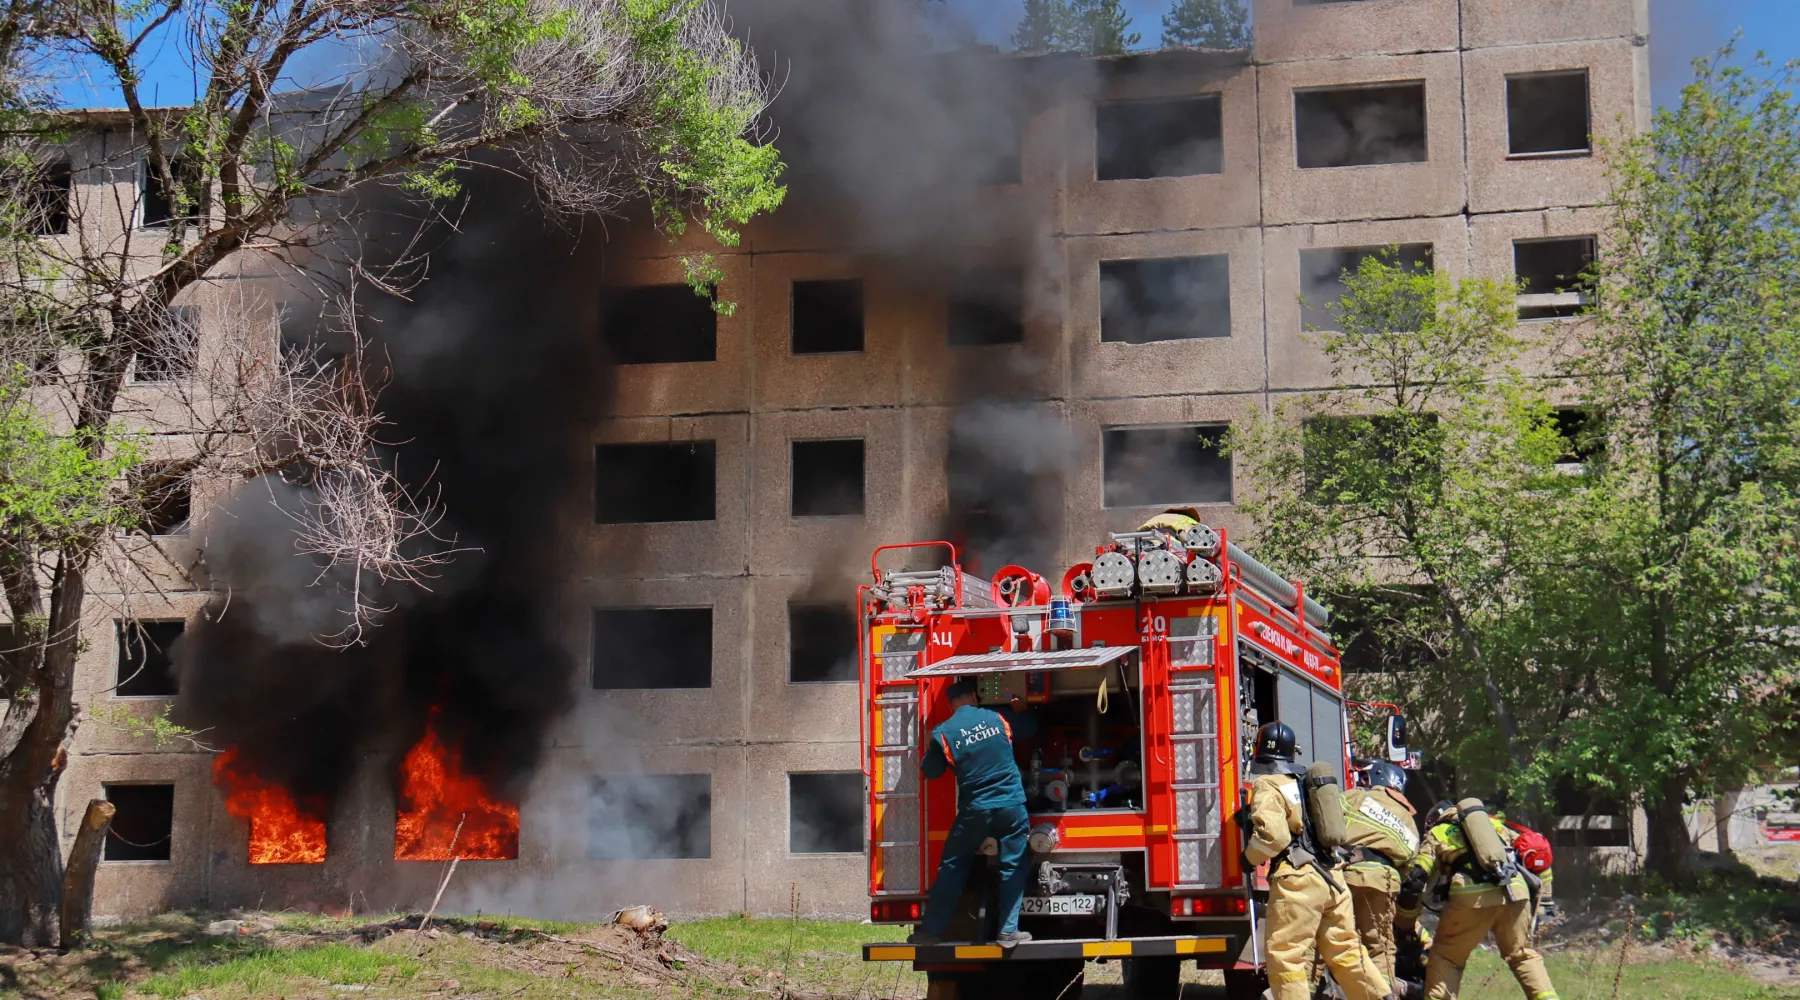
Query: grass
{"points": [[1589, 975], [266, 969], [813, 954]]}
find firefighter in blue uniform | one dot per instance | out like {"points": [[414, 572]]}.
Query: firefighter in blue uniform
{"points": [[976, 743]]}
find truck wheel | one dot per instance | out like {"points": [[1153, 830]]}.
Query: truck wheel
{"points": [[1152, 978], [1245, 984]]}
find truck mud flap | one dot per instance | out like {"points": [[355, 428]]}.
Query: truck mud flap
{"points": [[1222, 948]]}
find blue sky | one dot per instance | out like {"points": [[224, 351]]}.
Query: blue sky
{"points": [[1680, 30]]}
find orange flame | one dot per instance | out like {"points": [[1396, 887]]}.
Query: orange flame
{"points": [[281, 832], [436, 796]]}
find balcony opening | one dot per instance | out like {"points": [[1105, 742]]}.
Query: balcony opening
{"points": [[145, 668], [1322, 275], [1145, 466], [827, 317], [652, 648], [49, 202], [1165, 298], [986, 308], [825, 812], [827, 478], [821, 642], [653, 483], [1360, 126], [143, 823], [1547, 114], [659, 324], [643, 817], [1142, 139], [158, 205], [1553, 276], [174, 350]]}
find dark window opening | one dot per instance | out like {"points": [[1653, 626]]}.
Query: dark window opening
{"points": [[1357, 459], [49, 203], [1547, 113], [827, 478], [987, 308], [1165, 298], [659, 324], [143, 823], [1373, 634], [651, 483], [999, 149], [165, 501], [1143, 139], [1322, 274], [174, 350], [1587, 816], [652, 648], [827, 317], [650, 816], [1006, 502], [160, 204], [1581, 433], [825, 812], [821, 642], [1142, 466], [145, 668], [1360, 126], [1553, 276]]}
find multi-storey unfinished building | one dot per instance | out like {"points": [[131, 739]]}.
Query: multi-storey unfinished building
{"points": [[1196, 215]]}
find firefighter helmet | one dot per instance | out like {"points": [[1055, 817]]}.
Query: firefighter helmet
{"points": [[1385, 775], [1443, 810], [1275, 741]]}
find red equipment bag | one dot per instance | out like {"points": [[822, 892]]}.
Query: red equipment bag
{"points": [[1532, 847]]}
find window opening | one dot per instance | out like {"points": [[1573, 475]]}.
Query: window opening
{"points": [[1322, 274], [50, 196], [827, 478], [1581, 435], [1547, 114], [166, 508], [821, 642], [825, 812], [649, 816], [659, 324], [1144, 466], [654, 483], [827, 317], [1553, 276], [1165, 298], [145, 668], [143, 823], [986, 307], [1172, 138], [159, 205], [652, 648], [174, 348], [1360, 126]]}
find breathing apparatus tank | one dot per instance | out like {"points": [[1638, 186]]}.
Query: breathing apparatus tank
{"points": [[1489, 851], [1325, 806]]}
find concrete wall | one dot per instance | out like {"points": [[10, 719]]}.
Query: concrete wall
{"points": [[901, 395]]}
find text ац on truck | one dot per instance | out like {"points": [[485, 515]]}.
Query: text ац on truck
{"points": [[1148, 670]]}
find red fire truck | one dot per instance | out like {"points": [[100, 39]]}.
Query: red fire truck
{"points": [[1148, 669]]}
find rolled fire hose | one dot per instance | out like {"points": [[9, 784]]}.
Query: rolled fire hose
{"points": [[1100, 701]]}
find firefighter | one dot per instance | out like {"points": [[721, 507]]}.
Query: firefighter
{"points": [[1479, 902], [1383, 839], [1173, 521], [976, 743], [1309, 909]]}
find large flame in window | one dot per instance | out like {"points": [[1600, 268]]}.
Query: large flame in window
{"points": [[282, 832], [436, 799]]}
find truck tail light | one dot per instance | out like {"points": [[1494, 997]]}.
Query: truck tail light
{"points": [[894, 911], [1207, 906]]}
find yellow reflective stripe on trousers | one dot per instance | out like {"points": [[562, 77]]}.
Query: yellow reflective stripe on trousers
{"points": [[1290, 976]]}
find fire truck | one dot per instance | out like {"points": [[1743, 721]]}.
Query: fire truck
{"points": [[1148, 670]]}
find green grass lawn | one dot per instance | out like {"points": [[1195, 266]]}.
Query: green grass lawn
{"points": [[1589, 975]]}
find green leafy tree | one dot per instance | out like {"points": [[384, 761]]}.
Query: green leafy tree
{"points": [[1687, 563], [601, 104], [1044, 27], [1102, 27], [1206, 24]]}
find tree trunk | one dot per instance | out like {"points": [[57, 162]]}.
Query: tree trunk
{"points": [[1670, 847], [30, 870], [78, 880]]}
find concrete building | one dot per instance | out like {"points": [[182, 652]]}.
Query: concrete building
{"points": [[1195, 215]]}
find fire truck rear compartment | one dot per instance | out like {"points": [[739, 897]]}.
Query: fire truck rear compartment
{"points": [[1080, 759]]}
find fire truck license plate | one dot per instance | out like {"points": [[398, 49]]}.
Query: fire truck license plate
{"points": [[1060, 906]]}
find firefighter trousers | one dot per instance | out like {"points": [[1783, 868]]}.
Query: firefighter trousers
{"points": [[1463, 927], [1010, 827], [1375, 925], [1308, 917]]}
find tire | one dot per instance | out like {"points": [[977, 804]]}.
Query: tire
{"points": [[1152, 978], [1245, 984]]}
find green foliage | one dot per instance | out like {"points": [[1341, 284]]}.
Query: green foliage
{"points": [[1044, 27], [54, 491], [1206, 24], [159, 729], [267, 968], [1092, 27]]}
